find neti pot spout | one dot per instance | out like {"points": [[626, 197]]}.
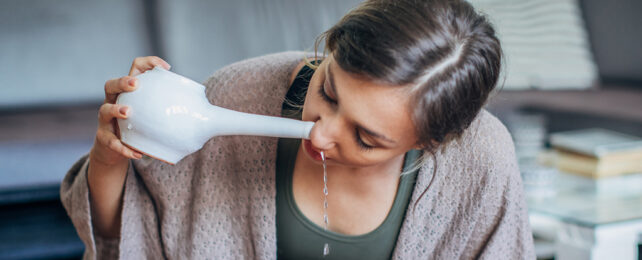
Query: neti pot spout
{"points": [[171, 118]]}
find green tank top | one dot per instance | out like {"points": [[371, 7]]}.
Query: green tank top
{"points": [[299, 238]]}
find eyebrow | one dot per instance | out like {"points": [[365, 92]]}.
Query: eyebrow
{"points": [[336, 96]]}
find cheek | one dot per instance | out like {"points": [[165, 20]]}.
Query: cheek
{"points": [[358, 158], [311, 107], [309, 112]]}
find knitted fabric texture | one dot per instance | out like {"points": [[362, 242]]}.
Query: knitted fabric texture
{"points": [[219, 203]]}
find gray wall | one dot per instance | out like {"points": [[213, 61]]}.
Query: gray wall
{"points": [[62, 52], [202, 36], [615, 30]]}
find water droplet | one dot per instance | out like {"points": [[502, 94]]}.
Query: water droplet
{"points": [[130, 126], [326, 249]]}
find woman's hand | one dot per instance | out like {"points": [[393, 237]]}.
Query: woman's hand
{"points": [[108, 159], [108, 149]]}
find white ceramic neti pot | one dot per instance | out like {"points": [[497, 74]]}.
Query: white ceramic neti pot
{"points": [[170, 117]]}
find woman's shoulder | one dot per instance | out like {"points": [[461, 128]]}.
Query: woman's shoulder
{"points": [[486, 144], [253, 81], [296, 71], [490, 132]]}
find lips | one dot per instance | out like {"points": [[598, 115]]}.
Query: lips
{"points": [[307, 145]]}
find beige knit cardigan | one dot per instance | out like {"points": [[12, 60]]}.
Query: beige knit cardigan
{"points": [[219, 203]]}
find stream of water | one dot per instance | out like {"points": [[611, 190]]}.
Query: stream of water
{"points": [[326, 247]]}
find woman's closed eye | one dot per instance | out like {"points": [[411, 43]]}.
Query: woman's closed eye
{"points": [[357, 136], [325, 96], [363, 145]]}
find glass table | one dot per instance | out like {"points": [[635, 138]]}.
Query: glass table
{"points": [[587, 218]]}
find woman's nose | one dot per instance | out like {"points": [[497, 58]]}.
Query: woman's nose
{"points": [[323, 135]]}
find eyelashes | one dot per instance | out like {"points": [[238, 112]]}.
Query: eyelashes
{"points": [[362, 145], [357, 136], [325, 96]]}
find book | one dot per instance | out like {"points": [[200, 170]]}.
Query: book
{"points": [[597, 152]]}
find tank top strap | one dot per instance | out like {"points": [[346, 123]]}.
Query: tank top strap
{"points": [[295, 97]]}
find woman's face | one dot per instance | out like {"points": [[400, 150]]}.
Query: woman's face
{"points": [[359, 123]]}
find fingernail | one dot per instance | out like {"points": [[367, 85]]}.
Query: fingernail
{"points": [[132, 82], [123, 110]]}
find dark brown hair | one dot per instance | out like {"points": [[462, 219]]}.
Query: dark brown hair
{"points": [[443, 48]]}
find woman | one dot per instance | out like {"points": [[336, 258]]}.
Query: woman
{"points": [[404, 82]]}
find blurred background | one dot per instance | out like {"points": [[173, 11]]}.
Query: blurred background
{"points": [[572, 86]]}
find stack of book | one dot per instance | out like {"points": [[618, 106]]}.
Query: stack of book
{"points": [[597, 153]]}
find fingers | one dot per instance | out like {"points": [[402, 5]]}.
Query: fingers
{"points": [[141, 64], [109, 140], [108, 111], [129, 83], [114, 87], [105, 134], [108, 144]]}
